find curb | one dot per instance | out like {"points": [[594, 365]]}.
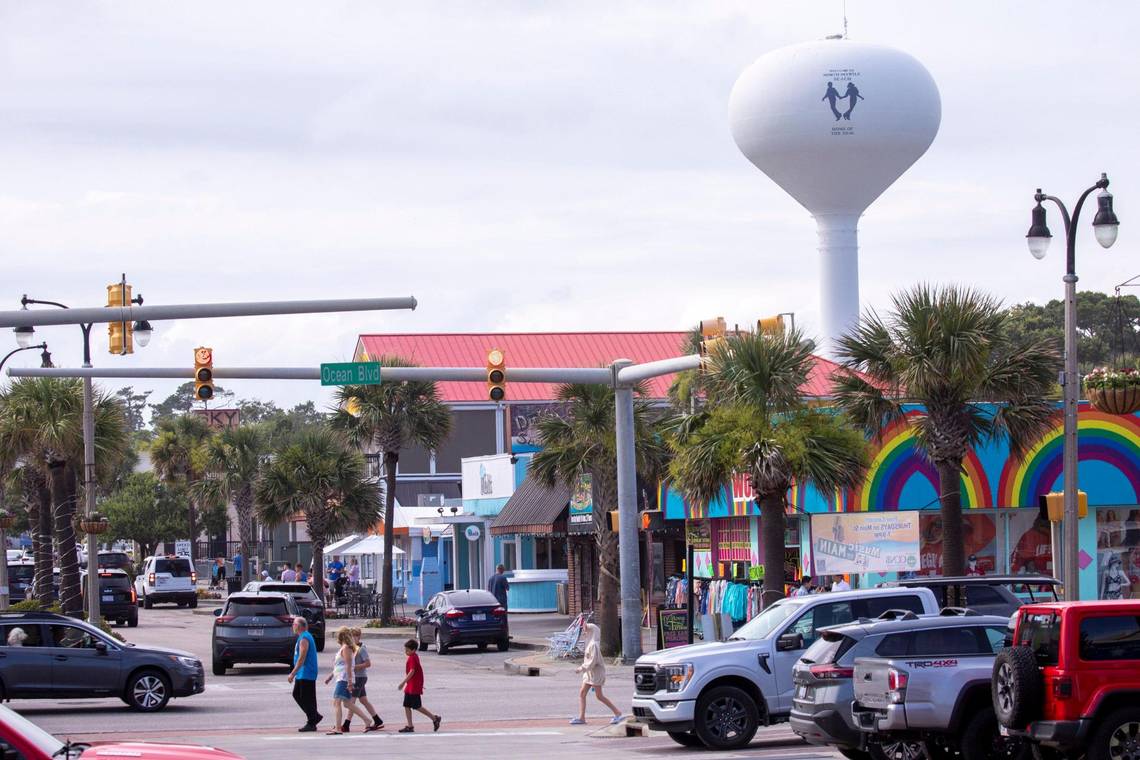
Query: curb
{"points": [[521, 669]]}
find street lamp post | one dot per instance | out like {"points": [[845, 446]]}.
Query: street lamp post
{"points": [[142, 335], [1105, 226]]}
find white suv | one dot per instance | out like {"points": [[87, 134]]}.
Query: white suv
{"points": [[167, 579]]}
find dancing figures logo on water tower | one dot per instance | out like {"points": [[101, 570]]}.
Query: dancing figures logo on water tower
{"points": [[834, 123]]}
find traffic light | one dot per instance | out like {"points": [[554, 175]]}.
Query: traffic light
{"points": [[771, 325], [1051, 506], [496, 375], [203, 373], [712, 336], [120, 334]]}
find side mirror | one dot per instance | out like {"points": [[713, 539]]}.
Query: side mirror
{"points": [[307, 614], [101, 647], [419, 613], [218, 612], [790, 642]]}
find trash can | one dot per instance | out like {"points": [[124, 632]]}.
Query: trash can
{"points": [[233, 585], [562, 598]]}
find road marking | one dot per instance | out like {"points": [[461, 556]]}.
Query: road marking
{"points": [[310, 736]]}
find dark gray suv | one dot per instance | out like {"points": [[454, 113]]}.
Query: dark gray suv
{"points": [[49, 656]]}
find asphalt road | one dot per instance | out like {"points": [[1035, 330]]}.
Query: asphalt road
{"points": [[251, 710]]}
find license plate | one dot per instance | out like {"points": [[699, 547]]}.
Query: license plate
{"points": [[479, 617], [108, 597], [256, 633]]}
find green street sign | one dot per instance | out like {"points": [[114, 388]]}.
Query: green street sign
{"points": [[351, 373]]}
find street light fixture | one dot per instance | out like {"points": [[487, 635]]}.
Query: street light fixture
{"points": [[1105, 226], [24, 336], [143, 331]]}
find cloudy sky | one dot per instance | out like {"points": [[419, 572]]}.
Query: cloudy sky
{"points": [[515, 165]]}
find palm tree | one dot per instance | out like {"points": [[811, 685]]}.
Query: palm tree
{"points": [[388, 418], [948, 349], [178, 453], [318, 475], [584, 443], [43, 418], [756, 422], [233, 461]]}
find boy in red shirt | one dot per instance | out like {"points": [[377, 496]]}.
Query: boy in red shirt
{"points": [[413, 688]]}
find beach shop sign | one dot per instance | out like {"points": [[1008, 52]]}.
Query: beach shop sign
{"points": [[865, 542]]}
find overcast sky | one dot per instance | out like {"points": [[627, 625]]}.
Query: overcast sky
{"points": [[522, 166]]}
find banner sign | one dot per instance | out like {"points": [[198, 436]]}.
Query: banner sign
{"points": [[488, 477], [582, 506], [673, 630], [865, 542]]}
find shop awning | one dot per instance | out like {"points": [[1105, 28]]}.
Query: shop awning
{"points": [[370, 545], [534, 509]]}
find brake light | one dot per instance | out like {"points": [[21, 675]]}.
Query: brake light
{"points": [[453, 614], [134, 596], [1062, 687], [225, 618], [193, 578], [286, 619], [831, 672], [896, 685], [498, 612], [150, 579]]}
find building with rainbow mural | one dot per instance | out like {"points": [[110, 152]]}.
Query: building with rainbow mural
{"points": [[1000, 493]]}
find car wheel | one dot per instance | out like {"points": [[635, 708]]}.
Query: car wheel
{"points": [[981, 740], [686, 738], [146, 603], [482, 647], [503, 644], [218, 666], [726, 718], [320, 642], [853, 754], [148, 691], [1016, 688], [193, 603], [440, 647], [133, 621], [1117, 737], [892, 749], [421, 645]]}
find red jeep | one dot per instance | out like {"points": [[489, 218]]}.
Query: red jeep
{"points": [[1070, 683]]}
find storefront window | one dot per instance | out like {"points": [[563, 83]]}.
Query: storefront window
{"points": [[980, 539], [1030, 544], [1118, 553]]}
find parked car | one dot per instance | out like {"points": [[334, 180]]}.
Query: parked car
{"points": [[307, 601], [463, 617], [1070, 684], [824, 690], [987, 594], [254, 627], [167, 579], [23, 740], [117, 598], [114, 559], [925, 692], [717, 694], [67, 658]]}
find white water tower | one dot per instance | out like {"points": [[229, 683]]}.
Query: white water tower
{"points": [[834, 123]]}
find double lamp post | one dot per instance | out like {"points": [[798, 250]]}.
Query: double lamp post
{"points": [[1105, 226]]}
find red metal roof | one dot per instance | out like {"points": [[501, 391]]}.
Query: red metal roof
{"points": [[591, 349]]}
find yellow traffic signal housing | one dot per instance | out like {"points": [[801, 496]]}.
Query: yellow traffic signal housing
{"points": [[1052, 505], [496, 375], [712, 337], [203, 373], [771, 325], [120, 335], [614, 520]]}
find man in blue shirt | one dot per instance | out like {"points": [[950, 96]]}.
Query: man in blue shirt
{"points": [[336, 576], [303, 676], [237, 566]]}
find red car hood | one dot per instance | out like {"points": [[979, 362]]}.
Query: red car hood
{"points": [[155, 751]]}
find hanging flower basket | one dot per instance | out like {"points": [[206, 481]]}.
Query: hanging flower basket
{"points": [[94, 524], [1114, 391], [6, 519]]}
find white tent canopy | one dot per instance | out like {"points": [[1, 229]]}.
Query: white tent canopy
{"points": [[368, 545], [338, 547]]}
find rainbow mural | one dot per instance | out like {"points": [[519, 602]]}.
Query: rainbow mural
{"points": [[899, 461], [1106, 439]]}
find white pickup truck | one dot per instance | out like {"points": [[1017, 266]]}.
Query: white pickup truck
{"points": [[717, 694]]}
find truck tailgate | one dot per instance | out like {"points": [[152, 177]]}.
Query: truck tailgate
{"points": [[870, 681]]}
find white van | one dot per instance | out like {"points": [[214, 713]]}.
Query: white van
{"points": [[169, 578]]}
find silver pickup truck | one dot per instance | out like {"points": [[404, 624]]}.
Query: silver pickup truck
{"points": [[927, 693]]}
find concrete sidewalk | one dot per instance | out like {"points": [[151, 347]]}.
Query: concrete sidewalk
{"points": [[529, 632]]}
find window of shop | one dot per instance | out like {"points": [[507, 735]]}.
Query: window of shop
{"points": [[980, 538], [1118, 553]]}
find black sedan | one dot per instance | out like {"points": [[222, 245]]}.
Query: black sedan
{"points": [[307, 601], [61, 657], [254, 628], [455, 618]]}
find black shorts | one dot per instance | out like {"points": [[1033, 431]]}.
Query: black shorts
{"points": [[358, 689], [414, 701]]}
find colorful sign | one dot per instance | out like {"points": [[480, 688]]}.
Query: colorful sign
{"points": [[582, 506], [865, 542], [488, 477], [673, 628]]}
